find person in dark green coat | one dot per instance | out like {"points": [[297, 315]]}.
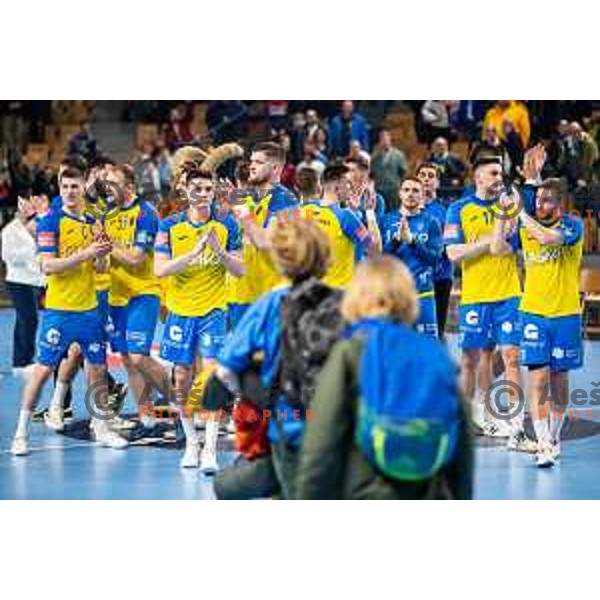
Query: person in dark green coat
{"points": [[331, 464]]}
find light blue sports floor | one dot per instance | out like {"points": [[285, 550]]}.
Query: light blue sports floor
{"points": [[60, 467]]}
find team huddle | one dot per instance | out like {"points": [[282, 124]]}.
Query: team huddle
{"points": [[112, 263]]}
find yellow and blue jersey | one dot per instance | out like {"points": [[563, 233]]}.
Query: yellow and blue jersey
{"points": [[201, 287], [347, 236], [552, 271], [423, 254], [133, 227], [102, 280], [60, 235], [261, 274], [486, 278]]}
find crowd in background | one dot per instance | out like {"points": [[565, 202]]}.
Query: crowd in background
{"points": [[318, 132]]}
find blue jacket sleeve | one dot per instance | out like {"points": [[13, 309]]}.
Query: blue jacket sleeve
{"points": [[431, 250]]}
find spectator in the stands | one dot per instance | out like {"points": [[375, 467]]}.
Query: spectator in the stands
{"points": [[436, 120], [492, 141], [388, 168], [345, 128], [314, 126], [83, 142], [21, 177], [582, 155], [24, 282], [277, 114], [178, 132], [147, 173], [165, 168], [297, 133], [467, 118], [227, 120], [356, 152], [514, 112], [452, 168], [13, 130], [288, 174], [557, 150], [313, 159]]}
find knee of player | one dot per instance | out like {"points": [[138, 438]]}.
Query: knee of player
{"points": [[510, 356], [182, 376], [74, 351], [136, 360], [470, 360]]}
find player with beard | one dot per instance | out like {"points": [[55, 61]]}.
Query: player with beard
{"points": [[550, 309], [415, 237], [255, 214], [490, 294]]}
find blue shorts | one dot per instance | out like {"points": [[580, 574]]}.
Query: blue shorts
{"points": [[427, 321], [556, 342], [131, 327], [103, 310], [60, 328], [186, 337], [487, 323], [234, 313]]}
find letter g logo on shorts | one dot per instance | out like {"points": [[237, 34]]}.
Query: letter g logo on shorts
{"points": [[531, 332], [176, 333], [472, 317]]}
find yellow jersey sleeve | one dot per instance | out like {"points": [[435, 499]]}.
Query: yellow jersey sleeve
{"points": [[486, 278], [61, 235]]}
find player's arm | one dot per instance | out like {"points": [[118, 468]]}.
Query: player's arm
{"points": [[500, 246], [464, 252], [164, 265], [457, 248], [132, 257], [230, 256], [358, 234], [430, 251], [374, 233], [232, 261], [143, 240], [568, 234], [52, 264], [48, 233]]}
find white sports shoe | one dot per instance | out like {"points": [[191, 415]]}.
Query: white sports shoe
{"points": [[54, 419], [556, 450], [191, 457], [108, 438], [519, 442], [208, 463], [19, 446], [544, 458]]}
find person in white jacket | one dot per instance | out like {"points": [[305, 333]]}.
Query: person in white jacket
{"points": [[24, 282]]}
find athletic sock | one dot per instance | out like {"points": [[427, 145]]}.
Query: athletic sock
{"points": [[542, 431], [211, 434], [59, 394], [191, 435], [556, 423], [23, 424]]}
